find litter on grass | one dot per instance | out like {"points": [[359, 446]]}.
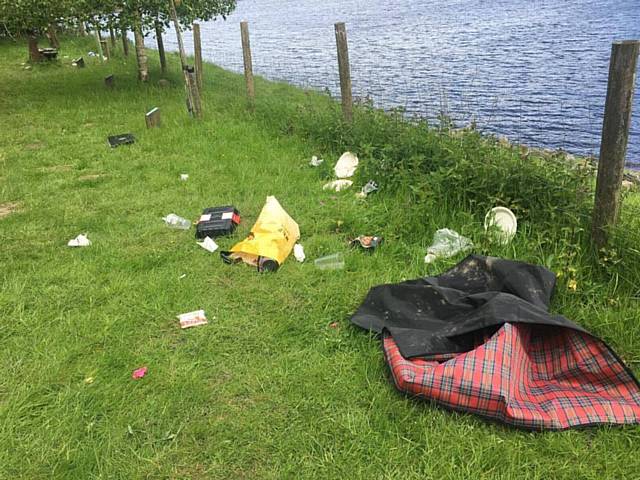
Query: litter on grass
{"points": [[366, 242], [270, 242], [139, 373], [503, 222], [184, 177], [298, 252], [337, 185], [192, 319], [315, 161], [122, 139], [479, 338], [447, 243], [217, 221], [208, 244], [174, 221], [346, 165], [330, 262], [79, 241], [368, 188]]}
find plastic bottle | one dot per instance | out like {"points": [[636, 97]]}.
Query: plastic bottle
{"points": [[447, 243], [330, 262], [174, 221]]}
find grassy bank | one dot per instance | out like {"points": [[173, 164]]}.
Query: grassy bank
{"points": [[271, 388]]}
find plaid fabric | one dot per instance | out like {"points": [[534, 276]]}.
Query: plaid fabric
{"points": [[531, 376]]}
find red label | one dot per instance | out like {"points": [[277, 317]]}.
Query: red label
{"points": [[236, 218]]}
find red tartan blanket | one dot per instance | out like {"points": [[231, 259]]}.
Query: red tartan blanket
{"points": [[535, 377]]}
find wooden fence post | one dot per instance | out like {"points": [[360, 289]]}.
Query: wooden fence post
{"points": [[191, 86], [99, 42], [105, 49], [197, 48], [615, 134], [161, 52], [345, 72], [248, 64]]}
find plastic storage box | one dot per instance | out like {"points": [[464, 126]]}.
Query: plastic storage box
{"points": [[217, 221]]}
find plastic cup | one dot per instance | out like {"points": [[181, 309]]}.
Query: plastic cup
{"points": [[330, 262]]}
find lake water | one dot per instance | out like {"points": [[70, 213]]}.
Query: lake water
{"points": [[534, 71]]}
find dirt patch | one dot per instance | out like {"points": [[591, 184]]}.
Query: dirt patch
{"points": [[58, 168], [34, 146], [8, 208]]}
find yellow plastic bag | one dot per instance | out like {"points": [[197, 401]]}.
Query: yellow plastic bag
{"points": [[272, 237]]}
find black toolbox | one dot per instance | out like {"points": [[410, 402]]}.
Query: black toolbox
{"points": [[217, 221]]}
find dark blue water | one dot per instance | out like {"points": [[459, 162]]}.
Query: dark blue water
{"points": [[534, 71]]}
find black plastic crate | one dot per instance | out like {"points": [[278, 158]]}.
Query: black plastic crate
{"points": [[217, 221], [122, 139]]}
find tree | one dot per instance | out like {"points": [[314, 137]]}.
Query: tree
{"points": [[32, 18]]}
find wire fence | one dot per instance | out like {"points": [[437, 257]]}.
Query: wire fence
{"points": [[542, 86]]}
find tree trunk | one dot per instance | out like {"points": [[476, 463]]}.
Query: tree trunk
{"points": [[125, 42], [34, 53], [83, 30], [141, 55], [112, 34], [52, 36], [163, 58]]}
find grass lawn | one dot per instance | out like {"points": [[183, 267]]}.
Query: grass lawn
{"points": [[271, 388]]}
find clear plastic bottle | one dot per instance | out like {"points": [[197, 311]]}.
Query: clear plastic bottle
{"points": [[174, 221], [447, 243]]}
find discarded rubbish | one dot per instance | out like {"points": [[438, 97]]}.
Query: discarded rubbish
{"points": [[447, 243], [346, 165], [271, 239], [368, 188], [152, 118], [174, 221], [122, 139], [78, 62], [92, 54], [49, 53], [315, 161], [217, 221], [330, 262], [366, 242], [182, 276], [298, 252], [139, 373], [192, 319], [338, 185], [184, 177], [479, 338], [79, 241], [504, 221], [208, 244]]}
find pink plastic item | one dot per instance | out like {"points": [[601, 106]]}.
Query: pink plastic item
{"points": [[139, 373]]}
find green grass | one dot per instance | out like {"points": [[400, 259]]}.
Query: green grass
{"points": [[269, 389]]}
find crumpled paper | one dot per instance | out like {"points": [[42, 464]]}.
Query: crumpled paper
{"points": [[80, 241]]}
